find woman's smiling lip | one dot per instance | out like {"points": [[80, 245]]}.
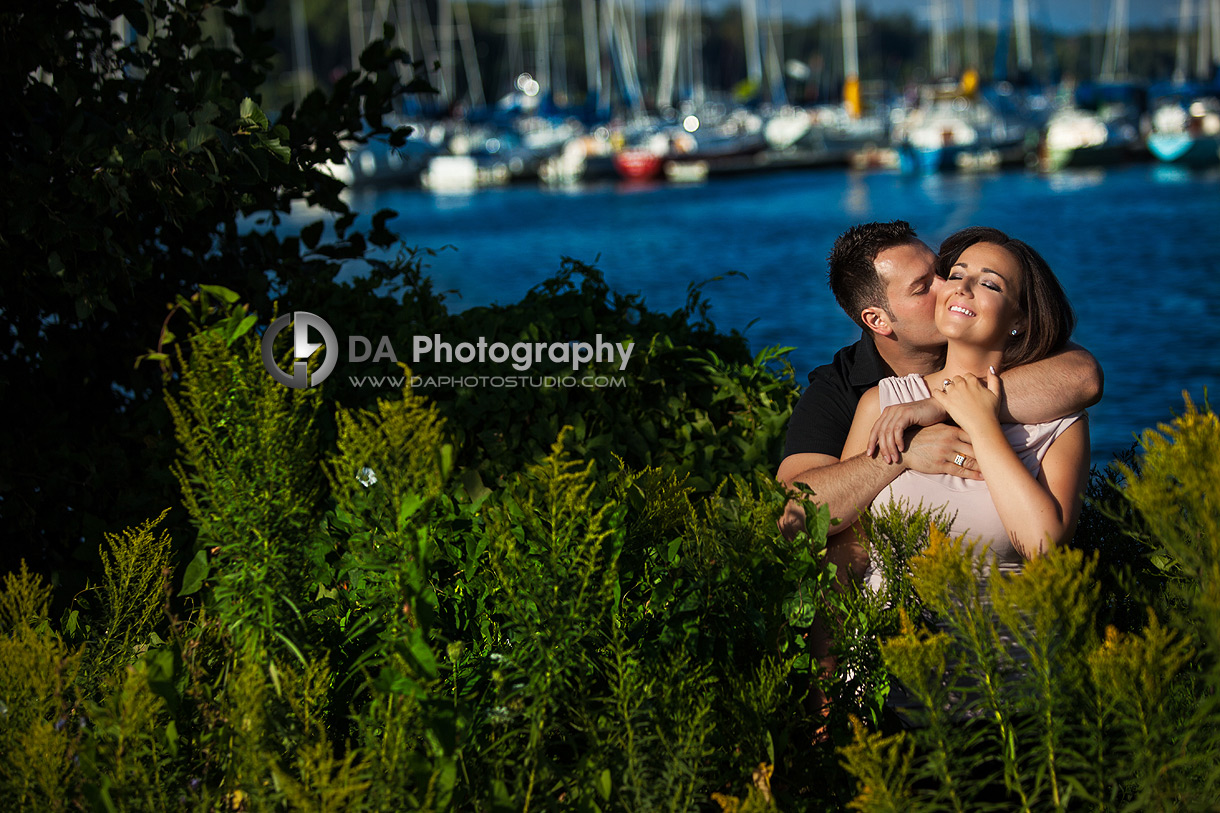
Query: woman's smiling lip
{"points": [[955, 308]]}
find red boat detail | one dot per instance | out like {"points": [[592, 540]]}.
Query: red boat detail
{"points": [[637, 165]]}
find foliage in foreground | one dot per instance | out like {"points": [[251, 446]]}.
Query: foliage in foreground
{"points": [[369, 627], [1018, 701], [365, 625]]}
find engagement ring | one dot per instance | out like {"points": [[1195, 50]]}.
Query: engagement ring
{"points": [[960, 460], [944, 385]]}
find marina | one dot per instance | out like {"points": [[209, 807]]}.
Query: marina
{"points": [[663, 181], [1135, 248]]}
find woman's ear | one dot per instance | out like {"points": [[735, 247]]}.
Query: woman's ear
{"points": [[876, 320]]}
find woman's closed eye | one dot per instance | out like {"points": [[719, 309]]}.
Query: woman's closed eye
{"points": [[987, 283]]}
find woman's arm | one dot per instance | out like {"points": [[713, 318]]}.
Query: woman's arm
{"points": [[1037, 513], [1040, 391]]}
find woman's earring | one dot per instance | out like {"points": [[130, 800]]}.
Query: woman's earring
{"points": [[1014, 331]]}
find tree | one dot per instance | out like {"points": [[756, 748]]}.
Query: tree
{"points": [[133, 147]]}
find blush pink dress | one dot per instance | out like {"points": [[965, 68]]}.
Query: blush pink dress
{"points": [[970, 499]]}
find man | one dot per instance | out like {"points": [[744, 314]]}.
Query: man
{"points": [[883, 276]]}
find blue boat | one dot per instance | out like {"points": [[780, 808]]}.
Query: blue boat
{"points": [[1194, 151], [1185, 126]]}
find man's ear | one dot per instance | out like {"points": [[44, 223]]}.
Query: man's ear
{"points": [[877, 320]]}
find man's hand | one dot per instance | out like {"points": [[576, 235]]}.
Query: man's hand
{"points": [[792, 521], [935, 450], [887, 435]]}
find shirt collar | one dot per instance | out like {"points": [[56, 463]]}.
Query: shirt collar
{"points": [[869, 367]]}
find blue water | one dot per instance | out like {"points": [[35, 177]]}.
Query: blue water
{"points": [[1137, 249]]}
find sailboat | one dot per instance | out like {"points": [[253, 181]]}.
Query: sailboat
{"points": [[833, 134], [698, 136], [1101, 125], [956, 124], [1185, 118]]}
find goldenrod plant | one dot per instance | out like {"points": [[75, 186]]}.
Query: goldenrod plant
{"points": [[1023, 701]]}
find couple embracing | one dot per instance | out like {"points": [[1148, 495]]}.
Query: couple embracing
{"points": [[964, 392]]}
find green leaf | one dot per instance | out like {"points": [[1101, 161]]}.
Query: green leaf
{"points": [[200, 134], [472, 482], [253, 113], [207, 113], [410, 504], [243, 328], [196, 572], [422, 654], [220, 292], [603, 785]]}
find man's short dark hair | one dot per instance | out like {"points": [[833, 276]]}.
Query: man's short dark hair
{"points": [[853, 274]]}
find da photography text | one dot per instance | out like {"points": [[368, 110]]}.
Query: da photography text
{"points": [[522, 356]]}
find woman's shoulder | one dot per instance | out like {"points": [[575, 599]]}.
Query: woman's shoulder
{"points": [[1036, 438], [902, 390]]}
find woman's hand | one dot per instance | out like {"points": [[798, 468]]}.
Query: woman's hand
{"points": [[972, 403], [886, 436]]}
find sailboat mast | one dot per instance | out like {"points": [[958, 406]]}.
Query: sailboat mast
{"points": [[542, 45], [1183, 55], [851, 59], [516, 56], [1114, 64], [749, 32], [1203, 58], [669, 54], [940, 46], [970, 11], [694, 53], [470, 54], [593, 68], [775, 19], [1215, 30], [355, 29], [1025, 52], [300, 51]]}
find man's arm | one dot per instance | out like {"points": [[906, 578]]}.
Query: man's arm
{"points": [[1054, 387], [850, 485], [844, 486]]}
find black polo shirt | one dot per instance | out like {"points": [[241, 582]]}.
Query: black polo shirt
{"points": [[823, 415]]}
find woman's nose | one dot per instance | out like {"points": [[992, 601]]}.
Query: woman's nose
{"points": [[959, 286]]}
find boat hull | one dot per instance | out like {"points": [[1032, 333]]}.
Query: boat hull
{"points": [[637, 165], [1185, 149], [1096, 155]]}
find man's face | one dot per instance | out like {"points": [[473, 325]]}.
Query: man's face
{"points": [[908, 273]]}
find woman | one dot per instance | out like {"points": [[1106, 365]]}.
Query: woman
{"points": [[1000, 306]]}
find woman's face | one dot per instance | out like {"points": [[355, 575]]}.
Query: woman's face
{"points": [[979, 302]]}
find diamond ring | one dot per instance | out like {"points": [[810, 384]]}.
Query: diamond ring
{"points": [[960, 460]]}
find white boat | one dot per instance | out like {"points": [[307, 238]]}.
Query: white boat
{"points": [[1079, 138], [953, 129], [1187, 133]]}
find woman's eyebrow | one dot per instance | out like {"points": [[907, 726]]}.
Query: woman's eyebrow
{"points": [[984, 269]]}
